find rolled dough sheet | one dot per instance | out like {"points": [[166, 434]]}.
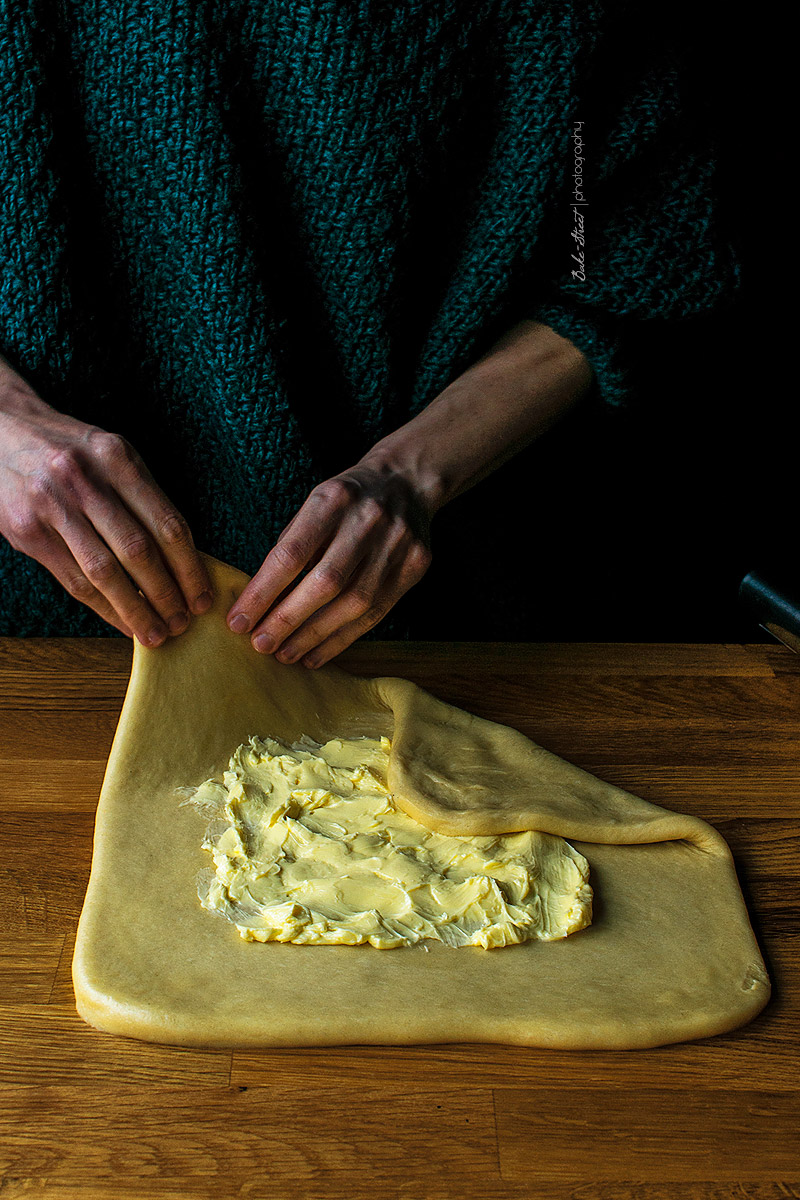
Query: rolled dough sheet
{"points": [[670, 954]]}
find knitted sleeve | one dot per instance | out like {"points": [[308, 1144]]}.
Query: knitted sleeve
{"points": [[638, 236], [33, 284]]}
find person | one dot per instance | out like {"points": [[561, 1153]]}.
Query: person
{"points": [[283, 281]]}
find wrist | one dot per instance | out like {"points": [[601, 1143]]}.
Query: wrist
{"points": [[405, 454], [17, 398]]}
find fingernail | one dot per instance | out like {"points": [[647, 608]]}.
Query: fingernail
{"points": [[238, 623], [178, 623], [310, 662], [286, 656], [203, 602], [263, 643], [155, 637]]}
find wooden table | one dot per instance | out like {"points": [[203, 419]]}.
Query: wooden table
{"points": [[712, 730]]}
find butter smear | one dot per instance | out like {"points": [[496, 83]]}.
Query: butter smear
{"points": [[308, 847]]}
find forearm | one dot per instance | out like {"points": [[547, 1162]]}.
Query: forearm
{"points": [[523, 385], [16, 394]]}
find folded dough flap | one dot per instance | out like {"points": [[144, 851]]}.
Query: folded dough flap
{"points": [[453, 772], [459, 774]]}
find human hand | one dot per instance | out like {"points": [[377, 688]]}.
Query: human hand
{"points": [[82, 503], [362, 540]]}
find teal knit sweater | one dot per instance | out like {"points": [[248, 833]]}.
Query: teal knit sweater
{"points": [[254, 236]]}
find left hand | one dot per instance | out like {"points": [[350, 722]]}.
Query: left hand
{"points": [[362, 540]]}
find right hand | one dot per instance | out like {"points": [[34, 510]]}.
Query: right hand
{"points": [[82, 503]]}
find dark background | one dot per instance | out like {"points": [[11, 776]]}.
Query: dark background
{"points": [[639, 524]]}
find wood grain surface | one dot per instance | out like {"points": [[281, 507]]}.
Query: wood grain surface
{"points": [[712, 730]]}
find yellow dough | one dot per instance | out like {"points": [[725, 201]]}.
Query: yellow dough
{"points": [[310, 848], [669, 955]]}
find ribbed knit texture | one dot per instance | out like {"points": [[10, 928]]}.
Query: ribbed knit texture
{"points": [[254, 237]]}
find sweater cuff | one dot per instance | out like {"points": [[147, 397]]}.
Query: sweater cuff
{"points": [[599, 338]]}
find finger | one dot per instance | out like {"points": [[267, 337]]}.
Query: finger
{"points": [[403, 576], [304, 537], [103, 571], [54, 554], [139, 555], [100, 605], [341, 639], [362, 592], [149, 504], [362, 548]]}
